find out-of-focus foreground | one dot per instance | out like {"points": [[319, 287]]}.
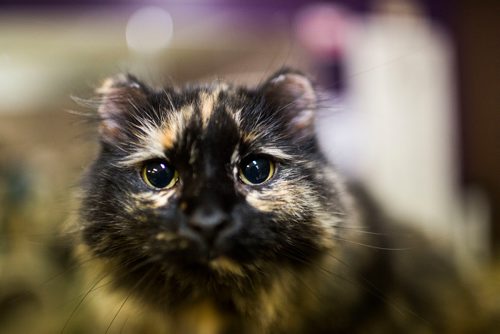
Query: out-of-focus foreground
{"points": [[410, 92]]}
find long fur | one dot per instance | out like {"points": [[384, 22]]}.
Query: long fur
{"points": [[301, 257]]}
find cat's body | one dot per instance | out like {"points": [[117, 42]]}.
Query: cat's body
{"points": [[214, 207]]}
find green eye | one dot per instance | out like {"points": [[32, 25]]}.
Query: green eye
{"points": [[159, 174], [256, 170]]}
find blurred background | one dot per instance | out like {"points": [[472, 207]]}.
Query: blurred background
{"points": [[410, 107]]}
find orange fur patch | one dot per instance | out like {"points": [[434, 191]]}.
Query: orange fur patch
{"points": [[168, 138]]}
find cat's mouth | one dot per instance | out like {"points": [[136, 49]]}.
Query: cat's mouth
{"points": [[199, 264], [207, 247], [188, 249]]}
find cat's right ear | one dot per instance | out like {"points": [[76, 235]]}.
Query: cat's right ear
{"points": [[118, 96]]}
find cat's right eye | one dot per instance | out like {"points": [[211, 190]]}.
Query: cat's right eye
{"points": [[159, 174]]}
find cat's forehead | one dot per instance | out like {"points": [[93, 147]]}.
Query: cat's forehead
{"points": [[212, 98], [216, 120], [206, 106], [190, 120]]}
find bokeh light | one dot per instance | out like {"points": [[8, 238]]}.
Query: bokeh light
{"points": [[149, 30]]}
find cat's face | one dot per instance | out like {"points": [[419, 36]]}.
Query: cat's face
{"points": [[213, 181]]}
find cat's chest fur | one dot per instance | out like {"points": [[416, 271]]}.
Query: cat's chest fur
{"points": [[213, 207]]}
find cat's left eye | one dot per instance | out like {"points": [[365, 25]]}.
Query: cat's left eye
{"points": [[159, 174], [255, 170]]}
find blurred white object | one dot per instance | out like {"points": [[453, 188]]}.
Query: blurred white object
{"points": [[405, 100], [149, 30], [401, 101]]}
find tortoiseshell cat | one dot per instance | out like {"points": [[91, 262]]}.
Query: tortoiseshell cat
{"points": [[214, 207]]}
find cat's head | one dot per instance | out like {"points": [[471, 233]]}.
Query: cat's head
{"points": [[208, 181]]}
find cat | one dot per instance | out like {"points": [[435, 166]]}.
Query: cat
{"points": [[213, 207]]}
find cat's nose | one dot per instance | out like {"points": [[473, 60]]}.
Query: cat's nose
{"points": [[208, 222]]}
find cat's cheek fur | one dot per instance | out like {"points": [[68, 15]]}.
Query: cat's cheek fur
{"points": [[152, 200]]}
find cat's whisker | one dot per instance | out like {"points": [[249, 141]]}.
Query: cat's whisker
{"points": [[372, 246], [98, 287], [78, 265], [377, 292], [111, 278], [314, 265], [124, 302], [100, 277], [309, 288], [367, 231], [122, 328], [367, 285]]}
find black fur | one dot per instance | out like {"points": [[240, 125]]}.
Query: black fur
{"points": [[294, 234]]}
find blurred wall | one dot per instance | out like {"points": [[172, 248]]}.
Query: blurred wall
{"points": [[476, 28]]}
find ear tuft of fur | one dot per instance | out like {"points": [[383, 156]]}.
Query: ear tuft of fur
{"points": [[118, 95], [292, 94], [117, 82]]}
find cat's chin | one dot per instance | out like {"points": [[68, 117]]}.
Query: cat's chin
{"points": [[202, 261], [225, 265]]}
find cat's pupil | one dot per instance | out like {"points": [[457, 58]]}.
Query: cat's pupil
{"points": [[256, 170], [158, 174]]}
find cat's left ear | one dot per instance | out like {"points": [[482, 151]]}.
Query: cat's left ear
{"points": [[292, 95]]}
